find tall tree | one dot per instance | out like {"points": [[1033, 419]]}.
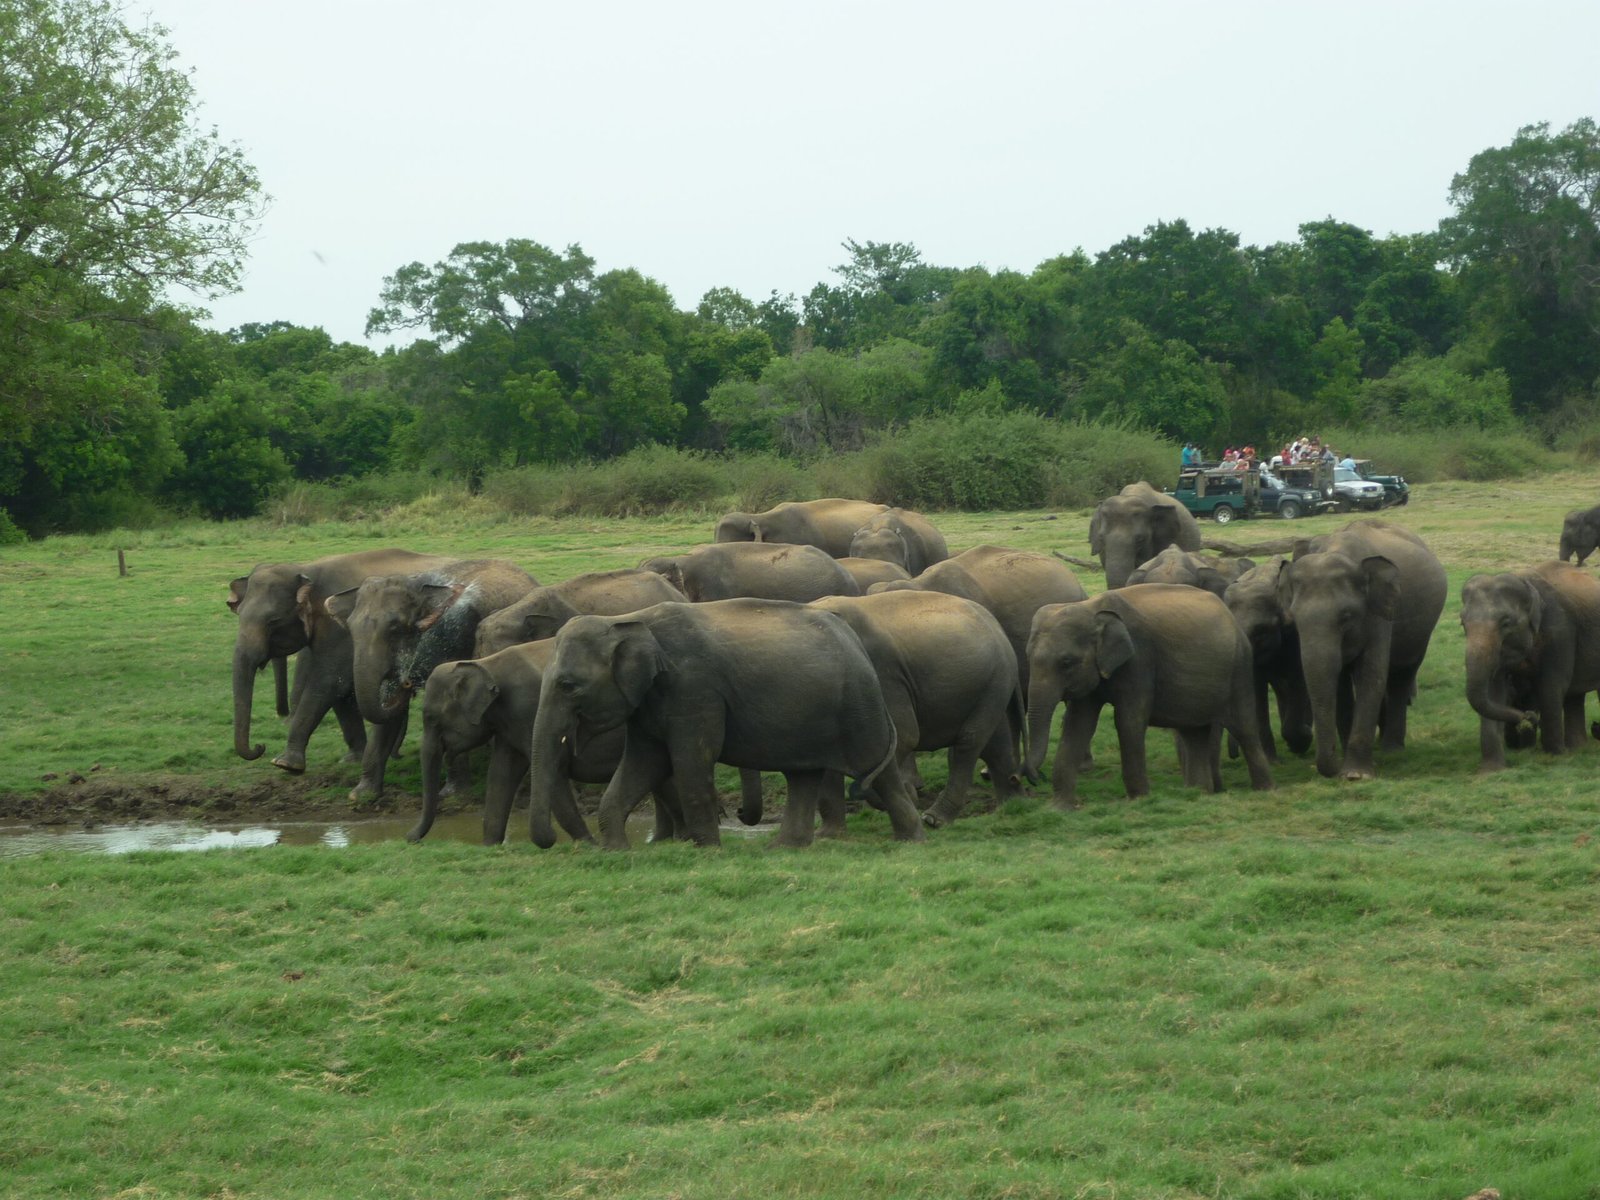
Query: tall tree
{"points": [[1526, 237], [110, 194]]}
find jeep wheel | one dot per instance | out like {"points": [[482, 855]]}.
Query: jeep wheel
{"points": [[1222, 514], [1289, 510]]}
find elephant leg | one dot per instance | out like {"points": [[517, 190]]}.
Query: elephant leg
{"points": [[668, 815], [351, 726], [311, 705], [508, 767], [380, 747], [1132, 721], [800, 813], [1242, 728], [645, 764], [895, 799], [963, 758], [1368, 688], [831, 805], [1572, 721], [1269, 745], [1194, 745], [1396, 706], [1077, 731], [751, 802]]}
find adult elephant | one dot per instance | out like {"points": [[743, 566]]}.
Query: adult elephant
{"points": [[751, 570], [1011, 584], [1134, 526], [950, 681], [402, 626], [905, 538], [495, 699], [1364, 602], [1580, 534], [1533, 653], [1187, 569], [281, 613], [827, 524], [758, 684], [1159, 654], [543, 611], [1256, 601]]}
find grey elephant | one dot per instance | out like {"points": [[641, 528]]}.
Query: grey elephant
{"points": [[495, 699], [757, 570], [868, 571], [1187, 569], [905, 538], [402, 626], [758, 684], [1160, 654], [1134, 526], [950, 680], [543, 611], [1256, 601], [827, 524], [1011, 584], [280, 610], [1580, 534], [1533, 652], [1364, 602]]}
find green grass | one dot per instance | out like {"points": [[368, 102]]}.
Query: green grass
{"points": [[1382, 990]]}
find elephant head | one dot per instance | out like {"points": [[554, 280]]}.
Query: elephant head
{"points": [[1343, 611], [1502, 616], [739, 527], [1134, 526], [455, 710], [275, 621], [387, 617], [1072, 650], [538, 615], [600, 672], [882, 542]]}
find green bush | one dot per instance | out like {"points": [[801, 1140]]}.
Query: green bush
{"points": [[643, 482], [1430, 455], [10, 533], [759, 481], [526, 491], [1100, 460]]}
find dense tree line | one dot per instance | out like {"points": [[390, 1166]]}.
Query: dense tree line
{"points": [[114, 404]]}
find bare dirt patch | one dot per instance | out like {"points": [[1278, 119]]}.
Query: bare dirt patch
{"points": [[98, 798]]}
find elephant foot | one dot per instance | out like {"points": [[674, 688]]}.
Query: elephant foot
{"points": [[831, 830], [782, 842], [364, 793], [934, 820], [1065, 803], [292, 762], [353, 755], [417, 834], [1358, 774], [1491, 768]]}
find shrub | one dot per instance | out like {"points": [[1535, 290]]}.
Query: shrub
{"points": [[1429, 455], [10, 533], [643, 482], [525, 491], [759, 481]]}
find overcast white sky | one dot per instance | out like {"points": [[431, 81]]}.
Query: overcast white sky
{"points": [[712, 143]]}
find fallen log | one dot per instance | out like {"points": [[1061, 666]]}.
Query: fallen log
{"points": [[1263, 549]]}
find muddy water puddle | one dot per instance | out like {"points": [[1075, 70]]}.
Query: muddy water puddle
{"points": [[18, 840]]}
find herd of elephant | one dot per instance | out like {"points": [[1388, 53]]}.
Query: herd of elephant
{"points": [[837, 638]]}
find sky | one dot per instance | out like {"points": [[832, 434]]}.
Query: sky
{"points": [[738, 144]]}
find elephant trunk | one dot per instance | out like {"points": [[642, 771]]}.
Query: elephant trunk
{"points": [[245, 666], [1120, 560], [1483, 662], [1042, 701], [1322, 670], [432, 762], [549, 768], [280, 681]]}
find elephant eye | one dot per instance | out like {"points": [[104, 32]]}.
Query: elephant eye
{"points": [[567, 684]]}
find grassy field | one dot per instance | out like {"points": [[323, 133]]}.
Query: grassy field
{"points": [[1389, 989]]}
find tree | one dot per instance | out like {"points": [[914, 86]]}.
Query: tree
{"points": [[110, 196], [1526, 238]]}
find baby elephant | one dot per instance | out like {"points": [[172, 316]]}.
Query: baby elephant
{"points": [[1159, 654], [475, 701]]}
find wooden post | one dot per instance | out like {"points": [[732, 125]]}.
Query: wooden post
{"points": [[122, 564]]}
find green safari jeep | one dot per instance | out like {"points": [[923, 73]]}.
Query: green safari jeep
{"points": [[1219, 493]]}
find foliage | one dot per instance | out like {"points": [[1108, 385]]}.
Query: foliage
{"points": [[1437, 393], [109, 195], [1459, 452], [650, 480]]}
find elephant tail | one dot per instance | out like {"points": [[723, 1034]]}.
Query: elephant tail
{"points": [[1017, 715], [861, 783]]}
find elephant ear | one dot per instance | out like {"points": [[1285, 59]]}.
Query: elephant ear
{"points": [[1241, 565], [1097, 533], [1113, 643], [1303, 547], [1383, 586], [1209, 579], [1137, 576], [1535, 606], [478, 690], [236, 591], [340, 605], [1167, 527], [436, 601], [636, 660], [1286, 589], [303, 606]]}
